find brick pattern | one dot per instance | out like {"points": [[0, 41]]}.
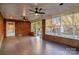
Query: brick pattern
{"points": [[1, 30], [22, 28], [43, 28], [62, 40]]}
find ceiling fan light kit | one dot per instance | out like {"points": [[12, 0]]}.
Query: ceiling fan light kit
{"points": [[36, 14]]}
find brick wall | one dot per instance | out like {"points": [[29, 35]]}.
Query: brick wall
{"points": [[1, 30], [22, 28], [43, 28], [62, 40]]}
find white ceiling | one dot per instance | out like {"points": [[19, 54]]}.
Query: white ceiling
{"points": [[15, 10]]}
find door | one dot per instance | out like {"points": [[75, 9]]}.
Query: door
{"points": [[10, 28], [36, 27]]}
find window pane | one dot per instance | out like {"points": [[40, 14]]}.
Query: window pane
{"points": [[56, 20], [56, 24], [76, 20], [67, 24], [77, 31], [48, 26], [33, 26]]}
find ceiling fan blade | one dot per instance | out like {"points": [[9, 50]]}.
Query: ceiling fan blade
{"points": [[31, 10], [41, 13], [40, 9]]}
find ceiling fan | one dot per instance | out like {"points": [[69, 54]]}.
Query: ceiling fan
{"points": [[37, 11], [61, 4], [24, 17]]}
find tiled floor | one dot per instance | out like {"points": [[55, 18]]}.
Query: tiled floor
{"points": [[35, 46]]}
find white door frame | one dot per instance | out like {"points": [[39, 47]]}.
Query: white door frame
{"points": [[10, 28]]}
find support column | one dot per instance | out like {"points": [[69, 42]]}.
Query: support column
{"points": [[43, 28]]}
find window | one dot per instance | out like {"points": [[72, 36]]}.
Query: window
{"points": [[33, 27], [48, 26], [56, 25], [36, 27], [65, 26], [76, 20], [68, 25]]}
